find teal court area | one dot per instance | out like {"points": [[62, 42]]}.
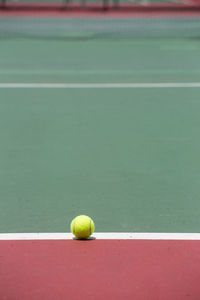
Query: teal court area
{"points": [[128, 157]]}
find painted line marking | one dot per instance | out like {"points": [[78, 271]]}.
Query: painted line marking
{"points": [[102, 236], [100, 85]]}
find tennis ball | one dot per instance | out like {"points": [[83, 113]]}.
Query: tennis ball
{"points": [[82, 227]]}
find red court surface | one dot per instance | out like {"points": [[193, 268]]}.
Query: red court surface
{"points": [[55, 12], [188, 8], [100, 269]]}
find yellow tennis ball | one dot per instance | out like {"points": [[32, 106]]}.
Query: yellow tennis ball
{"points": [[82, 227]]}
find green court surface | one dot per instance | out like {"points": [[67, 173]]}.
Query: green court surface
{"points": [[100, 61], [127, 157]]}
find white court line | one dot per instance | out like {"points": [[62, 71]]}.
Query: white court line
{"points": [[99, 85], [102, 236]]}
